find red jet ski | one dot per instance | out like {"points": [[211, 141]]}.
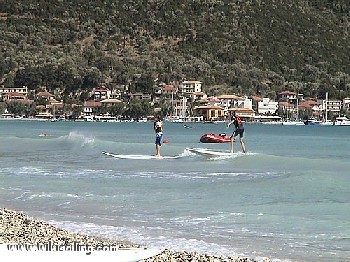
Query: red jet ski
{"points": [[212, 138]]}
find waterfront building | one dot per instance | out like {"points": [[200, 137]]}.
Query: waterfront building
{"points": [[21, 91], [266, 106]]}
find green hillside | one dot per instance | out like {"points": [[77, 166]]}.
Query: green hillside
{"points": [[252, 47]]}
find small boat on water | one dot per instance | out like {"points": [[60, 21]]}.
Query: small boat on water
{"points": [[339, 121], [342, 121], [293, 123], [212, 138], [312, 122]]}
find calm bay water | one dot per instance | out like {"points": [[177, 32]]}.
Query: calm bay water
{"points": [[287, 199]]}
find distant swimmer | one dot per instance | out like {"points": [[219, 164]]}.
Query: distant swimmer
{"points": [[239, 130], [186, 126], [158, 128]]}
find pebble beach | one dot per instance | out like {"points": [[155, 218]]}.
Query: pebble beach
{"points": [[19, 228]]}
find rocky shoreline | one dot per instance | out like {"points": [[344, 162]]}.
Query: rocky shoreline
{"points": [[19, 228]]}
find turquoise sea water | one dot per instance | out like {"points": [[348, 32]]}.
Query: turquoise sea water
{"points": [[287, 199]]}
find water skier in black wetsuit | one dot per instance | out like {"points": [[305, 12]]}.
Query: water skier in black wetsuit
{"points": [[158, 128], [239, 130]]}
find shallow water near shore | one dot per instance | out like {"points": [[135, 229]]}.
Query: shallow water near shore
{"points": [[288, 198]]}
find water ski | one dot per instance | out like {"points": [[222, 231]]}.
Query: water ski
{"points": [[139, 157], [209, 152]]}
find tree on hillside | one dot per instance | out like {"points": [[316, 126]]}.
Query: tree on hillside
{"points": [[117, 109], [10, 80], [144, 84], [138, 108], [92, 78]]}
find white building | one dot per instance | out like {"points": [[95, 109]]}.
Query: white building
{"points": [[266, 106], [333, 106], [228, 101], [101, 93], [346, 104], [248, 103], [23, 90], [190, 87]]}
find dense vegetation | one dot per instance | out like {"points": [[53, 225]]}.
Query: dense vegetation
{"points": [[251, 47]]}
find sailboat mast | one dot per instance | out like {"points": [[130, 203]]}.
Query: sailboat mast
{"points": [[297, 108], [183, 108], [326, 109]]}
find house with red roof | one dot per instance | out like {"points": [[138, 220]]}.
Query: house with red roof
{"points": [[12, 96], [286, 95], [169, 90], [44, 95], [23, 90], [285, 105], [91, 107], [311, 106]]}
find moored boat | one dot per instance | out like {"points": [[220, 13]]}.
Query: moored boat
{"points": [[212, 138], [342, 121], [339, 121], [312, 122], [326, 123], [293, 123]]}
